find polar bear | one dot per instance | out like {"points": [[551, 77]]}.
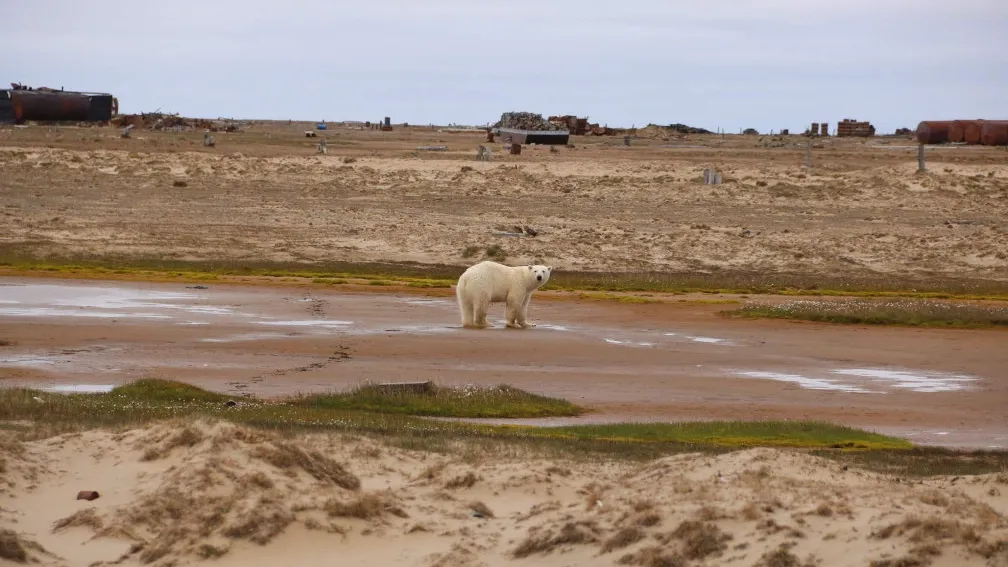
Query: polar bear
{"points": [[490, 282]]}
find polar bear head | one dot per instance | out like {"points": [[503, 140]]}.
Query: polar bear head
{"points": [[540, 274]]}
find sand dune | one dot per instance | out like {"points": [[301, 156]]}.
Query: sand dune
{"points": [[181, 493]]}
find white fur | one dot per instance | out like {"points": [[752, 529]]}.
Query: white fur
{"points": [[489, 282]]}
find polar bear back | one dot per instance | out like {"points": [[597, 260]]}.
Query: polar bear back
{"points": [[497, 279]]}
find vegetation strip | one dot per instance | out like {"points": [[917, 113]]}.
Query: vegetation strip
{"points": [[368, 410], [443, 277], [908, 312]]}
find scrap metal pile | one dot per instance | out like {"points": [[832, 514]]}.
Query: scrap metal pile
{"points": [[684, 129], [162, 121], [581, 126], [525, 121]]}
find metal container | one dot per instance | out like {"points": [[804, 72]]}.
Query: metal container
{"points": [[50, 106], [971, 131], [957, 131], [994, 133], [60, 106], [102, 107], [933, 131], [6, 107]]}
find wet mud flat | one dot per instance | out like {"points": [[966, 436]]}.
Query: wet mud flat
{"points": [[628, 362]]}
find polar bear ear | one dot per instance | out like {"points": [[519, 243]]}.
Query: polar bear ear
{"points": [[530, 268]]}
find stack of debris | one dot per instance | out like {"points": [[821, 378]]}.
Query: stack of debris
{"points": [[573, 124], [525, 121], [162, 121], [852, 128], [684, 129]]}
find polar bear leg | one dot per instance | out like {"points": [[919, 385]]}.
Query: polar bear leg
{"points": [[481, 303], [523, 313], [466, 306], [513, 312]]}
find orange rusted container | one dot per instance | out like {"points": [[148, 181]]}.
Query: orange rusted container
{"points": [[43, 105], [957, 131], [933, 131], [971, 131], [994, 133]]}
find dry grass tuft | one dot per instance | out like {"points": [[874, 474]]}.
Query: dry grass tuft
{"points": [[11, 547], [467, 480], [710, 514], [187, 437], [653, 557], [370, 506], [286, 456], [481, 509], [86, 518], [698, 539], [559, 471], [929, 530], [260, 528], [824, 510], [647, 519], [751, 512], [623, 538], [546, 541], [906, 561], [782, 557], [207, 551]]}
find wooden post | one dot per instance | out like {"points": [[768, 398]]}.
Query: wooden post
{"points": [[920, 157], [808, 154]]}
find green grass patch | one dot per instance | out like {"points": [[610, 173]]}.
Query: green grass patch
{"points": [[146, 401], [367, 411], [741, 434], [501, 401], [909, 312], [165, 391], [20, 258]]}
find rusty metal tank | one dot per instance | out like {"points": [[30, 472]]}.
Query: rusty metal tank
{"points": [[50, 106], [972, 130], [994, 133], [956, 130], [933, 131]]}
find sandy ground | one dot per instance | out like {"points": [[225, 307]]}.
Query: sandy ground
{"points": [[186, 493], [628, 362], [180, 493], [265, 195]]}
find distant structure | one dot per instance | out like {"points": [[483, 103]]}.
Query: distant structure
{"points": [[21, 104], [850, 128], [545, 137]]}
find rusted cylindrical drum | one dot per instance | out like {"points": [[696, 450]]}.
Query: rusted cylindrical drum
{"points": [[45, 106], [994, 133], [933, 131], [971, 131], [957, 131]]}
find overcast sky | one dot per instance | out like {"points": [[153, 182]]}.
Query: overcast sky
{"points": [[715, 64]]}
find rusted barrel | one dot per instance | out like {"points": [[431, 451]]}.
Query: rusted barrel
{"points": [[972, 130], [994, 133], [957, 129], [933, 131], [44, 106]]}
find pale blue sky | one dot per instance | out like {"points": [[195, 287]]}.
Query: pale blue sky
{"points": [[721, 63]]}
